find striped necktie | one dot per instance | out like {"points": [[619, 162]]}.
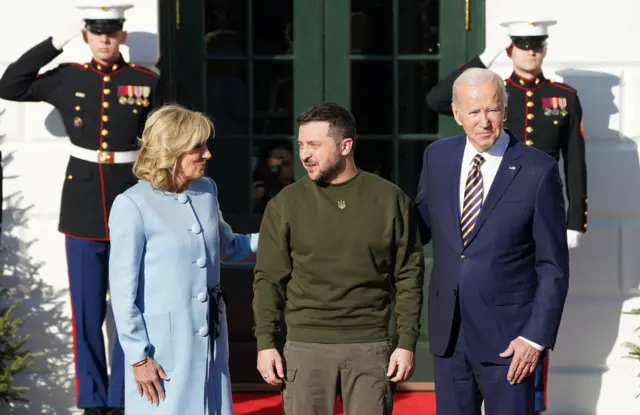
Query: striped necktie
{"points": [[473, 193]]}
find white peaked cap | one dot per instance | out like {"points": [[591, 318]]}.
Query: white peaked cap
{"points": [[104, 11], [528, 28]]}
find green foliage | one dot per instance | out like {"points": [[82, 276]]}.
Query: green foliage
{"points": [[14, 359], [634, 348]]}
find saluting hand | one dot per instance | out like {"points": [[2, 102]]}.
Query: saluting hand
{"points": [[147, 377], [64, 35], [525, 359]]}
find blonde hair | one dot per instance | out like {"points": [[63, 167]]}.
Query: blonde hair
{"points": [[168, 133]]}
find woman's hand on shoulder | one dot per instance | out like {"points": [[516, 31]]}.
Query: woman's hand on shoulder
{"points": [[147, 374]]}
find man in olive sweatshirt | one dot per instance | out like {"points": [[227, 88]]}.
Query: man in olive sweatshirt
{"points": [[333, 248]]}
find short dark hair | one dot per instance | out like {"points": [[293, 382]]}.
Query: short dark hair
{"points": [[342, 124]]}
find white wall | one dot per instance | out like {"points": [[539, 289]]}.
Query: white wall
{"points": [[594, 48], [35, 156]]}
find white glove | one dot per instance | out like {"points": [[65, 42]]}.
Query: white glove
{"points": [[573, 238], [60, 39], [494, 49], [253, 242]]}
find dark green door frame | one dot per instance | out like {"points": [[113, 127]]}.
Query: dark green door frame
{"points": [[465, 22]]}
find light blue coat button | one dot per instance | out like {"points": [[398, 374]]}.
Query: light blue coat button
{"points": [[201, 262], [182, 198], [204, 331], [196, 229], [202, 297]]}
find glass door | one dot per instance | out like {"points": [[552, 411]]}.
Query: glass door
{"points": [[254, 65]]}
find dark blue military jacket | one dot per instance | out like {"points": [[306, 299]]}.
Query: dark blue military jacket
{"points": [[103, 109]]}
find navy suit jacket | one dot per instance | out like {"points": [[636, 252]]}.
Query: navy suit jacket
{"points": [[512, 277]]}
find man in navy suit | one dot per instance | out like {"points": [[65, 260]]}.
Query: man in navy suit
{"points": [[494, 210]]}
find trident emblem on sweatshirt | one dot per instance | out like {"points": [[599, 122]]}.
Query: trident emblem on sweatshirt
{"points": [[342, 204]]}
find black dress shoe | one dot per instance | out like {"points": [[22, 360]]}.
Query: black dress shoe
{"points": [[116, 411], [95, 411]]}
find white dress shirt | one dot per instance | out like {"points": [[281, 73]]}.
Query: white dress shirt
{"points": [[489, 169]]}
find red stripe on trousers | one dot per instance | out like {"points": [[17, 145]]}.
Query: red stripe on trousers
{"points": [[73, 329]]}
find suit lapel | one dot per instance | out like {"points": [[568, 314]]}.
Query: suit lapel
{"points": [[454, 191], [509, 167]]}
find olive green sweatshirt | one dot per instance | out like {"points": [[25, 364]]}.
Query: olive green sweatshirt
{"points": [[329, 255]]}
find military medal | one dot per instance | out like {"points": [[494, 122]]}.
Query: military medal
{"points": [[77, 122], [129, 93], [138, 93], [553, 105], [122, 99], [562, 103], [546, 105], [146, 91]]}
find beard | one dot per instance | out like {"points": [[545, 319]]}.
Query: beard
{"points": [[330, 172]]}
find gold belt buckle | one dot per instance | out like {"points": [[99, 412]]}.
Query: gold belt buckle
{"points": [[105, 157]]}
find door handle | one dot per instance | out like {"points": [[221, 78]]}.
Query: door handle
{"points": [[466, 15], [177, 14]]}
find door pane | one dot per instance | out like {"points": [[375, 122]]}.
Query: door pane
{"points": [[376, 156], [410, 158], [272, 26], [419, 27], [230, 167], [227, 15], [371, 27], [372, 96], [273, 98], [415, 79], [272, 170], [227, 95]]}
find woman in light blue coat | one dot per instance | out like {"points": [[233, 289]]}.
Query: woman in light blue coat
{"points": [[168, 238]]}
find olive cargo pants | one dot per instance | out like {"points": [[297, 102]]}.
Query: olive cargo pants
{"points": [[316, 373]]}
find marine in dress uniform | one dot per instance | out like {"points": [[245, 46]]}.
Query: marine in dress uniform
{"points": [[546, 115], [103, 105]]}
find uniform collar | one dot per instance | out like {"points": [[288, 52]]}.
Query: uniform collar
{"points": [[527, 83], [108, 69]]}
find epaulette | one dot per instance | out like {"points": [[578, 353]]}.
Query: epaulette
{"points": [[61, 66], [142, 69], [77, 65], [563, 86]]}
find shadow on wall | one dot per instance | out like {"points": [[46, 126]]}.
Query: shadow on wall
{"points": [[43, 311], [142, 47], [586, 322]]}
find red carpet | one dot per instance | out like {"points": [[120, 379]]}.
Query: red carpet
{"points": [[406, 403]]}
